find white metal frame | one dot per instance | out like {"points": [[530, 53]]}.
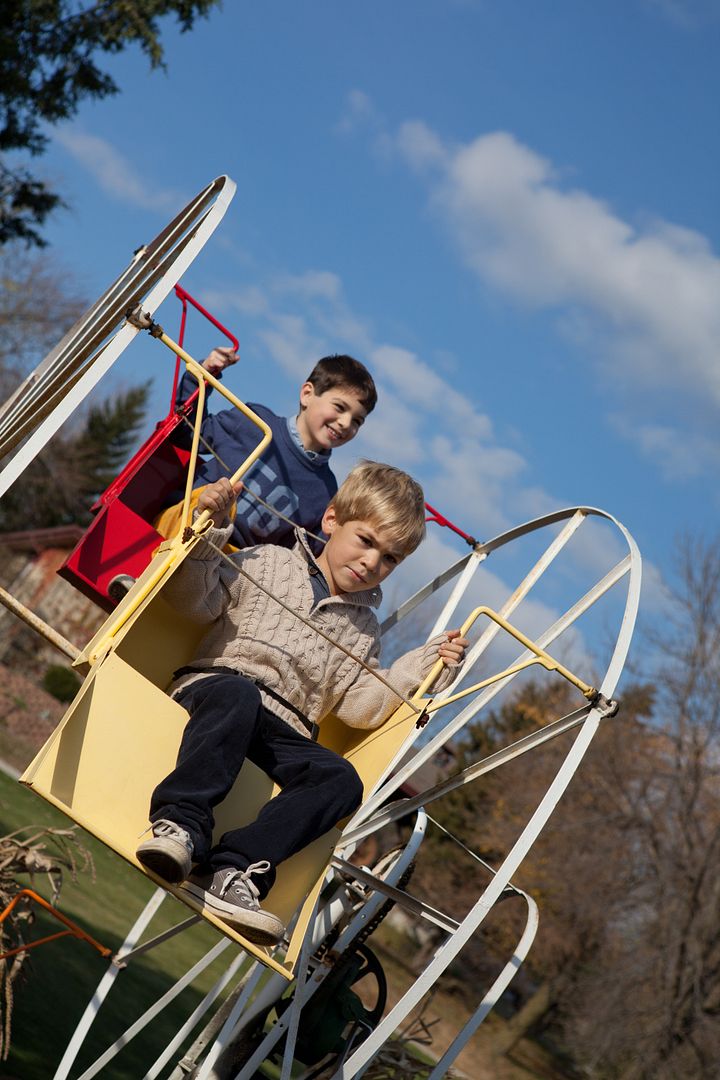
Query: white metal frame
{"points": [[375, 814], [44, 401], [34, 413]]}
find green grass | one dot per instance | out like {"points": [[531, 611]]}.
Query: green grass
{"points": [[61, 976]]}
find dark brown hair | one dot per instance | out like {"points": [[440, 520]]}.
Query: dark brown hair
{"points": [[339, 370]]}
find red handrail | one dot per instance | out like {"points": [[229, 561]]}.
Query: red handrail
{"points": [[185, 298], [439, 519]]}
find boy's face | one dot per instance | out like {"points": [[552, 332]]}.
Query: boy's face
{"points": [[359, 554], [329, 419]]}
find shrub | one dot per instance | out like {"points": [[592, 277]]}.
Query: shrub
{"points": [[61, 682]]}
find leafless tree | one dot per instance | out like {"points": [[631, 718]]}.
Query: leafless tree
{"points": [[657, 1003], [625, 972], [37, 305]]}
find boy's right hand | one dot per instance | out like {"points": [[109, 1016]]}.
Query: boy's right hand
{"points": [[218, 498], [220, 358]]}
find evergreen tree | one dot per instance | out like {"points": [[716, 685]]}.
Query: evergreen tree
{"points": [[39, 301], [65, 479]]}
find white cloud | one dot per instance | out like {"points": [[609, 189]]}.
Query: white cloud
{"points": [[359, 111], [290, 342], [651, 293], [678, 454], [394, 433], [423, 424], [298, 317], [251, 301], [114, 173], [419, 145], [688, 14], [313, 284], [422, 386]]}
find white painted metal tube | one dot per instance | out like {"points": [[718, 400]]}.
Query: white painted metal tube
{"points": [[347, 936], [417, 598], [207, 1002], [397, 810], [495, 992], [179, 260], [577, 515], [457, 593], [78, 349], [521, 592], [149, 1015], [457, 941], [454, 726], [106, 983], [228, 1029]]}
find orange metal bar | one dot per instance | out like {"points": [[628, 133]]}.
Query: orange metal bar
{"points": [[71, 927]]}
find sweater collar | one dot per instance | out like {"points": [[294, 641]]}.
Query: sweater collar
{"points": [[365, 598]]}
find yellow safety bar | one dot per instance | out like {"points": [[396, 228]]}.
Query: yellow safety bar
{"points": [[541, 657], [202, 522]]}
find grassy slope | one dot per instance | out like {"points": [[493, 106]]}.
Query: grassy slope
{"points": [[62, 975]]}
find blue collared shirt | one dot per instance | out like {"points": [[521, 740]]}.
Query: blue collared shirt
{"points": [[313, 455]]}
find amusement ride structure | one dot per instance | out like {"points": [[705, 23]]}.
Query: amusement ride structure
{"points": [[277, 1008]]}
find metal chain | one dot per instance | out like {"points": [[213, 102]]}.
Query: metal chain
{"points": [[325, 947]]}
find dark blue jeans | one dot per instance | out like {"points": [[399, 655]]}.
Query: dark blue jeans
{"points": [[228, 724]]}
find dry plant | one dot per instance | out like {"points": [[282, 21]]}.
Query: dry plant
{"points": [[35, 851]]}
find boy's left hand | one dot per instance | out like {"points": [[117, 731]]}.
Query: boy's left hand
{"points": [[217, 498], [452, 650]]}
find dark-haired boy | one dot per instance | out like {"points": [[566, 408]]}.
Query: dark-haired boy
{"points": [[294, 474]]}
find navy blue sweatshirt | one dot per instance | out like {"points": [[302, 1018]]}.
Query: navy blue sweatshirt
{"points": [[285, 476]]}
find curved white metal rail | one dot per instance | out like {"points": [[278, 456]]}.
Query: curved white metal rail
{"points": [[587, 718], [631, 566], [374, 815], [495, 992], [574, 517], [48, 396]]}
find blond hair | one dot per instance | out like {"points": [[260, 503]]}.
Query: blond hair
{"points": [[388, 498]]}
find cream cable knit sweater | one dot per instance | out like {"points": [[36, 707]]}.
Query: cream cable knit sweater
{"points": [[258, 638]]}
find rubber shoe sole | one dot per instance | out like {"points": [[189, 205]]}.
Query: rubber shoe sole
{"points": [[258, 926], [167, 858]]}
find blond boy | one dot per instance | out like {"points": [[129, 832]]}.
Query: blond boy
{"points": [[262, 680]]}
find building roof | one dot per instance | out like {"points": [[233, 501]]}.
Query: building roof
{"points": [[57, 536]]}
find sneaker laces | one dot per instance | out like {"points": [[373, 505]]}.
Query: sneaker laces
{"points": [[165, 827], [239, 880]]}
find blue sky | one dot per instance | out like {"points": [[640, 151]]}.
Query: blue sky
{"points": [[508, 210]]}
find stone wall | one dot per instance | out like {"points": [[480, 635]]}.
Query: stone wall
{"points": [[32, 579], [28, 716]]}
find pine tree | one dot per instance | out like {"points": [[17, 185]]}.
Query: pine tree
{"points": [[66, 478]]}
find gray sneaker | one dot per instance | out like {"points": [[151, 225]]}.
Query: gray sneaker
{"points": [[169, 853], [232, 896]]}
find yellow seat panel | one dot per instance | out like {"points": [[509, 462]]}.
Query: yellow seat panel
{"points": [[121, 734], [115, 743]]}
